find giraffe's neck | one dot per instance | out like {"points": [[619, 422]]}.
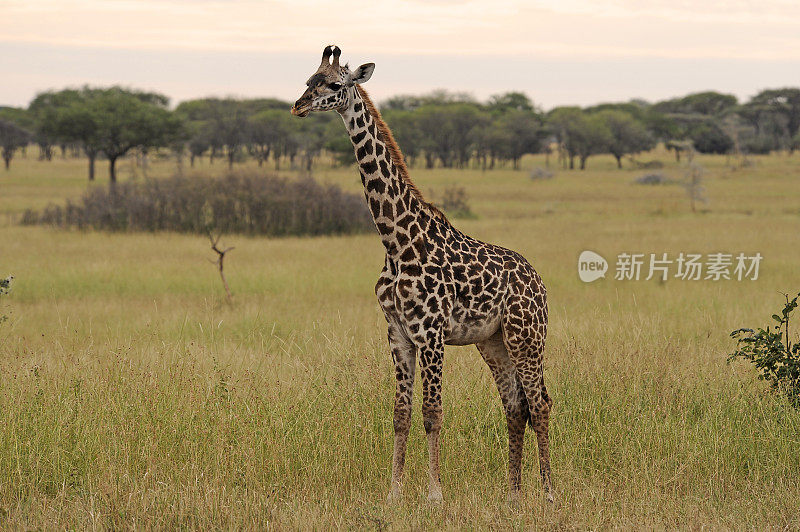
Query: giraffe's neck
{"points": [[393, 201]]}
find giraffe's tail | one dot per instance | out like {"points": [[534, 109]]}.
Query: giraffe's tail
{"points": [[525, 405]]}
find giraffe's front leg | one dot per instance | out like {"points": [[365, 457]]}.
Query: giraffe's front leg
{"points": [[431, 357], [404, 357]]}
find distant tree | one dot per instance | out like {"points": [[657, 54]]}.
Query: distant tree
{"points": [[637, 109], [67, 117], [628, 135], [43, 110], [775, 113], [580, 134], [263, 135], [405, 102], [198, 139], [12, 138], [111, 121], [436, 135], [462, 119], [524, 134], [221, 124], [661, 126], [285, 139], [562, 121], [401, 102], [405, 131], [593, 136], [312, 137], [338, 145], [444, 97], [127, 119], [70, 116], [19, 116], [708, 137], [707, 103], [77, 122], [228, 121], [493, 142], [680, 147], [510, 101], [445, 132]]}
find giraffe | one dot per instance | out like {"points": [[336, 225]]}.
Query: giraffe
{"points": [[440, 287]]}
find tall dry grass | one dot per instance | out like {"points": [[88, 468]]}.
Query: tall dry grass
{"points": [[133, 397]]}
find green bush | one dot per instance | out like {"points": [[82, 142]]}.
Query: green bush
{"points": [[773, 354]]}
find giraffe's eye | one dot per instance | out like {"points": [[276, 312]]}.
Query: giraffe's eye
{"points": [[335, 86]]}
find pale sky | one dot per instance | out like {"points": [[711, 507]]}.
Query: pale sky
{"points": [[558, 52]]}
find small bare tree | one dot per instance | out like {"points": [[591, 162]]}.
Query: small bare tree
{"points": [[693, 183], [220, 261]]}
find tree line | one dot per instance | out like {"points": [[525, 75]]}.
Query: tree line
{"points": [[438, 129]]}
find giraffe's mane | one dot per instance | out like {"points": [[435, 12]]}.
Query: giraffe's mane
{"points": [[396, 154]]}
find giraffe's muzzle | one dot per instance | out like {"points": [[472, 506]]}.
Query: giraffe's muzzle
{"points": [[301, 109]]}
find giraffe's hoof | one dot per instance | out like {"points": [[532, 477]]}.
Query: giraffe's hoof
{"points": [[550, 497], [513, 498], [435, 496]]}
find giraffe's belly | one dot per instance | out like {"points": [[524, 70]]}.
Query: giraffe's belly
{"points": [[469, 327]]}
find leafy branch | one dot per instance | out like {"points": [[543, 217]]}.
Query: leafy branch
{"points": [[770, 349]]}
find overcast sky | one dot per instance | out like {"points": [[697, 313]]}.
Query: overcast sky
{"points": [[558, 52]]}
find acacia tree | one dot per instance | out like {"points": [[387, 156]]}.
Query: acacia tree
{"points": [[198, 140], [128, 119], [510, 101], [628, 135], [228, 123], [591, 136], [709, 103], [775, 112], [436, 135], [445, 132], [111, 121], [69, 117], [51, 127], [12, 137], [581, 134], [263, 134], [564, 122], [524, 134]]}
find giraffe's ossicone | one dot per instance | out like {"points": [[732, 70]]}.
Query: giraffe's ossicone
{"points": [[440, 286]]}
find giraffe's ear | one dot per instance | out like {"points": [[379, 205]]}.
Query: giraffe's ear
{"points": [[363, 73]]}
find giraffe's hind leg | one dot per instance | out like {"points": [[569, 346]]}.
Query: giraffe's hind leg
{"points": [[515, 404], [524, 330]]}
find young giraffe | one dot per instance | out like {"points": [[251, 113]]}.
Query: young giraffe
{"points": [[440, 286]]}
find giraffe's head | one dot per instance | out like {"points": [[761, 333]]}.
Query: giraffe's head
{"points": [[329, 87]]}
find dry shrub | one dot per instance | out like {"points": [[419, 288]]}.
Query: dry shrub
{"points": [[455, 202], [539, 173], [239, 202]]}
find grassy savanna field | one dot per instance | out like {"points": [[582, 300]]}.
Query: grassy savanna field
{"points": [[133, 396]]}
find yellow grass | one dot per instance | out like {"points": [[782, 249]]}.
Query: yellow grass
{"points": [[132, 396]]}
